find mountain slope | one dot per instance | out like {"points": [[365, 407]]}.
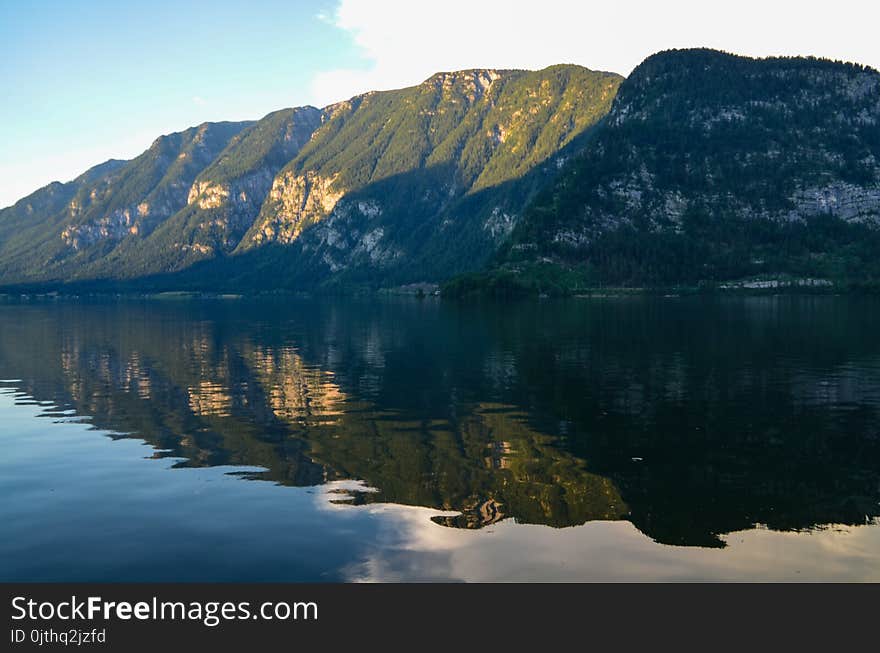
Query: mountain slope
{"points": [[109, 206], [35, 221], [412, 184], [714, 167], [227, 195], [394, 178]]}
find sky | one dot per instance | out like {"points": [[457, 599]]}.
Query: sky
{"points": [[87, 80]]}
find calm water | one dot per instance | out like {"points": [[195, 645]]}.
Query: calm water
{"points": [[634, 439]]}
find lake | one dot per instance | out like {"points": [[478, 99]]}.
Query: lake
{"points": [[397, 439]]}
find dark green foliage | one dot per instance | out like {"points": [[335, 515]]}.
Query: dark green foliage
{"points": [[706, 170], [447, 119], [448, 162], [75, 235], [271, 141], [35, 221], [528, 280], [440, 158]]}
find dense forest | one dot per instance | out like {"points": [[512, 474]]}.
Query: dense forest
{"points": [[393, 186], [702, 170], [712, 168]]}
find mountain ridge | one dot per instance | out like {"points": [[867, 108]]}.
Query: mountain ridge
{"points": [[713, 168], [700, 168], [266, 181]]}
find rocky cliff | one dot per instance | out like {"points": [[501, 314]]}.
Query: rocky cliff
{"points": [[393, 179], [372, 189], [701, 168], [109, 207], [713, 166]]}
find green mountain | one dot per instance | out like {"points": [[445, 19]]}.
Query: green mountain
{"points": [[408, 185], [419, 183], [711, 168], [71, 231], [36, 220], [227, 195], [701, 169]]}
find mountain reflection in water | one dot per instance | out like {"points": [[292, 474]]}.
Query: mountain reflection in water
{"points": [[691, 419]]}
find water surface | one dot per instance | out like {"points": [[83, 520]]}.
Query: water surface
{"points": [[283, 439]]}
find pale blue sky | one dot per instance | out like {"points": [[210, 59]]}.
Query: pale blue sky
{"points": [[84, 80], [87, 80]]}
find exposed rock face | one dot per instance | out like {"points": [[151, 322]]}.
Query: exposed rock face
{"points": [[41, 216], [228, 195], [845, 201], [704, 145], [473, 83], [134, 200], [208, 195], [454, 158], [295, 202], [241, 198], [500, 224], [115, 226], [350, 237], [134, 220], [385, 181]]}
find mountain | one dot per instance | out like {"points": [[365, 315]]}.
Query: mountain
{"points": [[36, 220], [68, 231], [709, 168], [419, 183], [226, 196], [388, 187], [701, 169]]}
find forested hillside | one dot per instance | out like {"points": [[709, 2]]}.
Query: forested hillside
{"points": [[712, 168], [702, 169], [408, 185]]}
